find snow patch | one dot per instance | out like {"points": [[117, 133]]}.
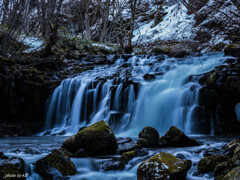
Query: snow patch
{"points": [[176, 25], [34, 43]]}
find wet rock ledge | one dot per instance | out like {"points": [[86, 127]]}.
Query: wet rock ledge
{"points": [[27, 82]]}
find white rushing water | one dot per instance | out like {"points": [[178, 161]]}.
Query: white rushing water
{"points": [[120, 95]]}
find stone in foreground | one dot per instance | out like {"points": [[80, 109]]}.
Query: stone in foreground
{"points": [[12, 166], [208, 164], [163, 166], [97, 139], [55, 165]]}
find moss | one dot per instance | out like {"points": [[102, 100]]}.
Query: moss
{"points": [[233, 174], [163, 166], [212, 79], [99, 128], [12, 166], [230, 147], [35, 70], [128, 155], [208, 164], [60, 159], [232, 46], [97, 139]]}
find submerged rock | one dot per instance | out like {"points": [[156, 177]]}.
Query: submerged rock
{"points": [[55, 165], [208, 164], [151, 136], [174, 137], [12, 166], [163, 166], [128, 155], [97, 139], [128, 145], [113, 165]]}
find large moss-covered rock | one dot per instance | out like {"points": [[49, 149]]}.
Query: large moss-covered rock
{"points": [[174, 137], [234, 174], [56, 165], [163, 166], [12, 166], [208, 164], [151, 136], [97, 139]]}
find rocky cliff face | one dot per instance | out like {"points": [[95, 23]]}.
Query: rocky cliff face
{"points": [[25, 85], [218, 99]]}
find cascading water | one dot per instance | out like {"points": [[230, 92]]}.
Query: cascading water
{"points": [[119, 94]]}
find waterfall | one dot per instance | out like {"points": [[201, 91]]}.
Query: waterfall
{"points": [[122, 96]]}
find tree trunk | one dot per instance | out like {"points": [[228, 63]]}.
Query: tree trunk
{"points": [[105, 22], [87, 20]]}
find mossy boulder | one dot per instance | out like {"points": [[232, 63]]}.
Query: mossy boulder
{"points": [[230, 147], [97, 139], [151, 136], [174, 137], [208, 164], [12, 166], [234, 174], [56, 165], [163, 166], [222, 169], [128, 155]]}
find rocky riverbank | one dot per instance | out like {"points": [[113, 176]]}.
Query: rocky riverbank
{"points": [[155, 161]]}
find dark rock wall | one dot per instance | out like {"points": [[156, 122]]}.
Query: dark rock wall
{"points": [[218, 98]]}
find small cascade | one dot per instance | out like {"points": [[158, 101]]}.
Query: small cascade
{"points": [[131, 94]]}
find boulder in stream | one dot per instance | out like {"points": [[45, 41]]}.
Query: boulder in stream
{"points": [[163, 166], [174, 137], [55, 165], [12, 166], [97, 139], [151, 136], [208, 164]]}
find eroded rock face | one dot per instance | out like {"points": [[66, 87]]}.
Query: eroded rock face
{"points": [[217, 100], [174, 137], [97, 139], [56, 165], [151, 136], [12, 166], [163, 166]]}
